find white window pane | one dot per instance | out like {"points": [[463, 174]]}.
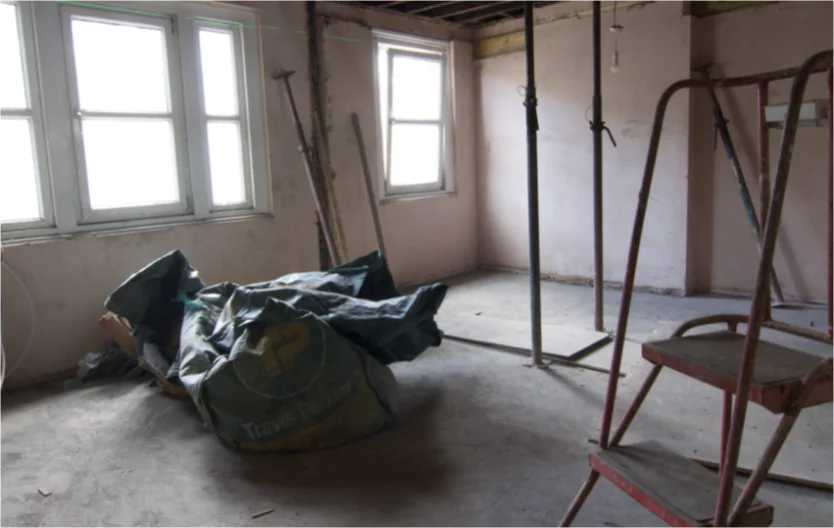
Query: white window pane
{"points": [[120, 67], [12, 85], [382, 93], [416, 87], [130, 162], [18, 175], [415, 154], [217, 60], [226, 163]]}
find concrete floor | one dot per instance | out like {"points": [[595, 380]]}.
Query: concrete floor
{"points": [[481, 440]]}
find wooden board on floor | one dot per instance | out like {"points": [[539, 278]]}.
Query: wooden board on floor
{"points": [[563, 340]]}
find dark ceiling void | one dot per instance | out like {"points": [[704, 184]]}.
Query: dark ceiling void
{"points": [[465, 13]]}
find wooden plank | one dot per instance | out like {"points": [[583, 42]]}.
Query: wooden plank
{"points": [[775, 477], [678, 490], [561, 340]]}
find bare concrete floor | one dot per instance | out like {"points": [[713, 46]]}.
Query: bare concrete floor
{"points": [[481, 440]]}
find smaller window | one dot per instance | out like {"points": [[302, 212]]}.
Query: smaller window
{"points": [[414, 102]]}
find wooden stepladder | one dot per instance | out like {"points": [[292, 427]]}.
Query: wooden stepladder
{"points": [[743, 366]]}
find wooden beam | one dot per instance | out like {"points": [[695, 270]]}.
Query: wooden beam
{"points": [[502, 13], [429, 8], [512, 42], [470, 9]]}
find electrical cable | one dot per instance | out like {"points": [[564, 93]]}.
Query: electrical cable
{"points": [[3, 372]]}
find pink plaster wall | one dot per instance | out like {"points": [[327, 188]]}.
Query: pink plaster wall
{"points": [[654, 52], [723, 253], [427, 239]]}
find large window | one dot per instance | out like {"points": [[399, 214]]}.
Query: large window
{"points": [[414, 102], [128, 114]]}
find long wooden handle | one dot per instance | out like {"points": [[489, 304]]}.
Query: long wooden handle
{"points": [[369, 186]]}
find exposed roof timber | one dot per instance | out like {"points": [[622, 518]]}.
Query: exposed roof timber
{"points": [[475, 8], [432, 6], [507, 12], [461, 13]]}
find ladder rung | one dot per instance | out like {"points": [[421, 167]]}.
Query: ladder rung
{"points": [[715, 357], [673, 487]]}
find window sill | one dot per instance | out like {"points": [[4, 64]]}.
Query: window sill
{"points": [[103, 230], [404, 197]]}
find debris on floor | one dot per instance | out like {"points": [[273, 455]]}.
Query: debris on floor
{"points": [[262, 513], [112, 362], [293, 364], [44, 493]]}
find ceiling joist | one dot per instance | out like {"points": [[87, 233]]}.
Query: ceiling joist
{"points": [[464, 13]]}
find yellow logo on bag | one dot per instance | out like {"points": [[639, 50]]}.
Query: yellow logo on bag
{"points": [[286, 340]]}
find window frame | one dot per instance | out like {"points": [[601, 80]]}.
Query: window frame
{"points": [[34, 113], [88, 215], [408, 45], [53, 64], [242, 118]]}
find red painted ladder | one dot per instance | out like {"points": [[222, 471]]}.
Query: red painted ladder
{"points": [[744, 367]]}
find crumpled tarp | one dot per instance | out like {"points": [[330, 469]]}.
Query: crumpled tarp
{"points": [[290, 364]]}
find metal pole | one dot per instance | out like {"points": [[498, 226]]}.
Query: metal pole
{"points": [[369, 186], [319, 130], [830, 201], [318, 193], [738, 174], [596, 126], [533, 190], [764, 173]]}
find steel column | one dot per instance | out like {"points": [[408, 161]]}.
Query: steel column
{"points": [[596, 127], [533, 190], [830, 201]]}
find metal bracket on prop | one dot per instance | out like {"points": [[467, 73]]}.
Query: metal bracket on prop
{"points": [[602, 126], [530, 102]]}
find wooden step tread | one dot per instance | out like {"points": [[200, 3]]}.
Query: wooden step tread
{"points": [[715, 358], [676, 489]]}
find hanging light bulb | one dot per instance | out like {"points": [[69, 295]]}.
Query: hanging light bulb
{"points": [[615, 29]]}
